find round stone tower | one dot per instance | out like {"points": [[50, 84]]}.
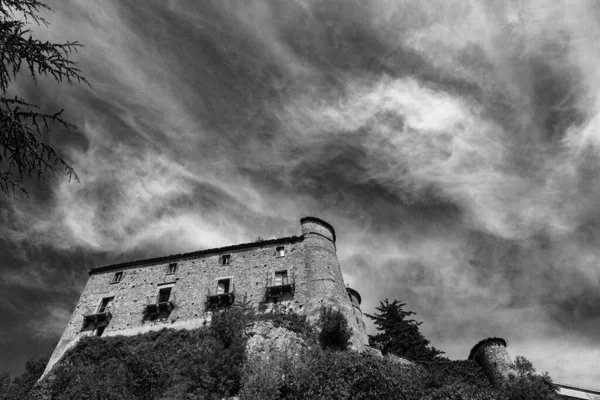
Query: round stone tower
{"points": [[356, 300], [325, 283], [492, 356]]}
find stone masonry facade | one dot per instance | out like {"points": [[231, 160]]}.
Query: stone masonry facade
{"points": [[181, 291]]}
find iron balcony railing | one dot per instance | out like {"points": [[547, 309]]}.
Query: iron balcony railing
{"points": [[98, 315], [160, 303], [280, 281], [218, 296], [279, 285]]}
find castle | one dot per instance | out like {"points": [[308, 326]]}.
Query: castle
{"points": [[180, 291]]}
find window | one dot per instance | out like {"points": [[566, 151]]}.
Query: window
{"points": [[172, 268], [164, 294], [280, 251], [105, 305], [100, 331], [281, 278], [118, 276], [223, 286], [225, 259]]}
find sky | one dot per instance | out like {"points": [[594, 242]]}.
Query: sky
{"points": [[454, 146]]}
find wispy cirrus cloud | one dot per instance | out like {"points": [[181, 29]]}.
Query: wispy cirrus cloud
{"points": [[453, 145]]}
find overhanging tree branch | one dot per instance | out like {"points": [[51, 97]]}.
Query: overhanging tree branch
{"points": [[23, 126]]}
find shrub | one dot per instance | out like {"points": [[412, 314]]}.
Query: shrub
{"points": [[334, 332], [228, 324], [526, 384], [20, 387], [264, 375], [331, 374], [211, 363], [180, 363]]}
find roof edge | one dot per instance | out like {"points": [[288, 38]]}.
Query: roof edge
{"points": [[483, 343], [194, 254], [355, 293], [319, 221]]}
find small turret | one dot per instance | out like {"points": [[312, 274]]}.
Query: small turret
{"points": [[356, 300], [492, 356], [313, 225]]}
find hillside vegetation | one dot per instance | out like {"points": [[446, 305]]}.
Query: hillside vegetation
{"points": [[214, 362]]}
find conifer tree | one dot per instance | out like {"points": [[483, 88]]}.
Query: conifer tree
{"points": [[24, 127], [20, 387], [397, 334]]}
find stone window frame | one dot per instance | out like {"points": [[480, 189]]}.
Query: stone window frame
{"points": [[276, 271], [164, 285], [99, 303], [280, 251], [172, 268], [222, 278], [117, 277]]}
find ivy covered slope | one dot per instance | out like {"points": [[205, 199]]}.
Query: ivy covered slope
{"points": [[265, 356]]}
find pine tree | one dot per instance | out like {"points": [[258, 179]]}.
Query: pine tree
{"points": [[23, 126], [20, 387], [397, 334]]}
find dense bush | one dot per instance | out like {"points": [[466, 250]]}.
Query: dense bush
{"points": [[526, 384], [334, 333], [148, 366], [20, 387], [326, 374], [205, 363]]}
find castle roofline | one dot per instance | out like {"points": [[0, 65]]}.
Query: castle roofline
{"points": [[319, 221], [194, 254]]}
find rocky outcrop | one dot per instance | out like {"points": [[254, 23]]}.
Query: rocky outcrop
{"points": [[265, 340]]}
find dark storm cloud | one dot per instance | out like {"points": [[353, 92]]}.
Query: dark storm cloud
{"points": [[453, 145]]}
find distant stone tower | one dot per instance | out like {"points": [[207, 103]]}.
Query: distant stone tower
{"points": [[324, 277], [356, 300], [492, 356]]}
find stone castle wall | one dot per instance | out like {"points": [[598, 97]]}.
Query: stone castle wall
{"points": [[310, 260]]}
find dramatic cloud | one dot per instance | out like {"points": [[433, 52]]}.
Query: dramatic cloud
{"points": [[454, 145]]}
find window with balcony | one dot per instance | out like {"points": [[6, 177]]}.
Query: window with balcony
{"points": [[98, 317], [280, 283], [223, 286], [281, 277], [162, 303], [172, 268], [223, 292], [105, 305], [164, 295], [280, 251], [117, 277]]}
